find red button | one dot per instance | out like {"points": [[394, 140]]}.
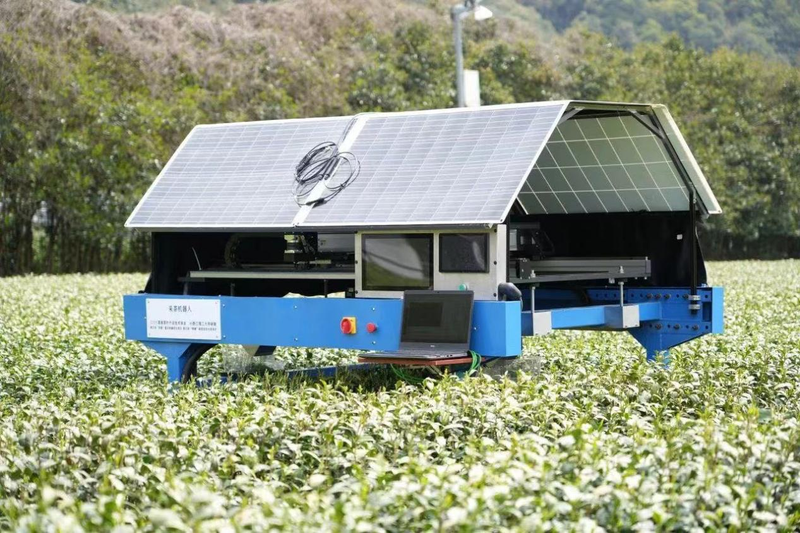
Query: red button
{"points": [[372, 328], [348, 325]]}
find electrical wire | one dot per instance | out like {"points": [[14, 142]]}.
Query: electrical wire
{"points": [[408, 378], [476, 362], [416, 380], [320, 165]]}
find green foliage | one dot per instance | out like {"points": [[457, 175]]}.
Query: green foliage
{"points": [[411, 69], [514, 72], [93, 103], [737, 112], [91, 438], [769, 27]]}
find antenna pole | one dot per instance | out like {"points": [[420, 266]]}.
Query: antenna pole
{"points": [[457, 13]]}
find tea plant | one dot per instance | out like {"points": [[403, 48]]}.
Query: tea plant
{"points": [[91, 439]]}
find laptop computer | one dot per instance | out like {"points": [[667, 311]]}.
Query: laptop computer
{"points": [[434, 325]]}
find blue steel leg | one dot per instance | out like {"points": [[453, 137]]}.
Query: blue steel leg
{"points": [[180, 357], [653, 344], [182, 361], [676, 323]]}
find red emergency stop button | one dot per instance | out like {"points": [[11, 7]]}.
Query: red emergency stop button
{"points": [[372, 327], [348, 325]]}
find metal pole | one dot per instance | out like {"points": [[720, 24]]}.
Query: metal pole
{"points": [[456, 16], [694, 299]]}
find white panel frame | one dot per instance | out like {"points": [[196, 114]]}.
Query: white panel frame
{"points": [[196, 227], [487, 222], [483, 284], [155, 182], [706, 195]]}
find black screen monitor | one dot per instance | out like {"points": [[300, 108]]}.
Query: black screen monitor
{"points": [[442, 317], [464, 252], [397, 262]]}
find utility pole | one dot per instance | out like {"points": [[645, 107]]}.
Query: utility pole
{"points": [[458, 13]]}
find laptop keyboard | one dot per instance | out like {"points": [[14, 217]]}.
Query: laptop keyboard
{"points": [[418, 354]]}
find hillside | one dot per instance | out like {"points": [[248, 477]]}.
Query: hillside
{"points": [[93, 102], [767, 27]]}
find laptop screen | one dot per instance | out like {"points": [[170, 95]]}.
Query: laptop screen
{"points": [[443, 317]]}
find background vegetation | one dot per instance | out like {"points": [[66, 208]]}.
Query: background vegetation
{"points": [[94, 98]]}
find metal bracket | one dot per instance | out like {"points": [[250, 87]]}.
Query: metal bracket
{"points": [[622, 317], [569, 114], [660, 134], [319, 190], [658, 130], [541, 322]]}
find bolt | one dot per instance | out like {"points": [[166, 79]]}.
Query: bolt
{"points": [[658, 326], [677, 326], [658, 296], [649, 296], [695, 327], [666, 296]]}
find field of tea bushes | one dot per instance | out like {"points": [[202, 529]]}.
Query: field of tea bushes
{"points": [[590, 437]]}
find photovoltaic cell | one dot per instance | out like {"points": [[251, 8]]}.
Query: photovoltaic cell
{"points": [[604, 165], [233, 175], [454, 166]]}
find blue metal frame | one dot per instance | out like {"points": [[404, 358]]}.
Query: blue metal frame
{"points": [[665, 321], [314, 323], [665, 318]]}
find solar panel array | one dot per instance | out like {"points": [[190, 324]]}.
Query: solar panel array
{"points": [[457, 166], [234, 175], [706, 196], [600, 165], [441, 167]]}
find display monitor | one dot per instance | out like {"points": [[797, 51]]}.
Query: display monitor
{"points": [[442, 317], [464, 252], [396, 262]]}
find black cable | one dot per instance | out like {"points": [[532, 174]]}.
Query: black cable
{"points": [[319, 165]]}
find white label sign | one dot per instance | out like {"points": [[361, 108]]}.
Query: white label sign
{"points": [[183, 319]]}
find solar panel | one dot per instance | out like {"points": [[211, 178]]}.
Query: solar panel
{"points": [[604, 165], [704, 192], [233, 175], [440, 167]]}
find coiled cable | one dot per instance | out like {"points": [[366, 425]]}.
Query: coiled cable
{"points": [[320, 165]]}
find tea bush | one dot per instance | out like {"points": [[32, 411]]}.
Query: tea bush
{"points": [[92, 439]]}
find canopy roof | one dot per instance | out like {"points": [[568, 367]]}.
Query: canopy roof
{"points": [[447, 167]]}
